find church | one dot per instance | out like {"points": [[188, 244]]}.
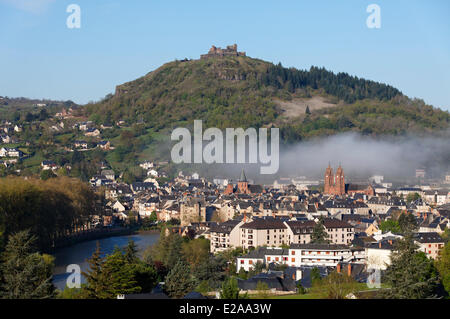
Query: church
{"points": [[243, 187], [335, 184]]}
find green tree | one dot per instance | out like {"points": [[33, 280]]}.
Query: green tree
{"points": [[212, 271], [131, 252], [196, 251], [119, 275], [411, 275], [168, 250], [26, 273], [335, 286], [300, 289], [412, 197], [443, 266], [262, 290], [315, 276], [230, 290], [153, 217], [96, 286], [319, 234], [390, 225], [47, 174], [407, 223], [179, 280], [446, 235]]}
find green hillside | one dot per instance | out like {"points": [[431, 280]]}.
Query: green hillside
{"points": [[246, 92]]}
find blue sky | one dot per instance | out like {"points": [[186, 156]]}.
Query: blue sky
{"points": [[121, 40]]}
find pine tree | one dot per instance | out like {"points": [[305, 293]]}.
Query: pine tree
{"points": [[319, 235], [411, 275], [95, 287], [230, 289], [179, 280], [26, 273], [307, 111], [131, 252]]}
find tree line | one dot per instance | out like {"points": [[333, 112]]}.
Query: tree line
{"points": [[342, 85], [48, 209]]}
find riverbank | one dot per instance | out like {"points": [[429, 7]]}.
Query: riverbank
{"points": [[80, 252], [93, 234]]}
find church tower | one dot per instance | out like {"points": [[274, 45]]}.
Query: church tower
{"points": [[243, 184], [340, 181], [329, 180], [334, 184]]}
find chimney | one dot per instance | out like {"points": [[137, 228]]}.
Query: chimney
{"points": [[349, 270], [338, 268], [390, 242], [245, 218]]}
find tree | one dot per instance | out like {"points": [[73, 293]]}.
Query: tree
{"points": [[319, 234], [26, 273], [230, 290], [300, 289], [307, 111], [315, 276], [131, 252], [119, 276], [390, 225], [211, 271], [412, 197], [119, 273], [443, 266], [335, 286], [256, 269], [167, 250], [411, 275], [196, 251], [262, 290], [47, 174], [153, 217], [95, 287], [179, 280], [407, 223], [446, 235]]}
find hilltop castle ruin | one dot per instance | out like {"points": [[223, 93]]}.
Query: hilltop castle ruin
{"points": [[231, 50]]}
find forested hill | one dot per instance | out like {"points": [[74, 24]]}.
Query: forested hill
{"points": [[247, 92]]}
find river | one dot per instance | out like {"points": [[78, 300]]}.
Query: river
{"points": [[79, 253]]}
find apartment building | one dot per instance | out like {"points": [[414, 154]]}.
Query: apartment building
{"points": [[225, 235], [323, 255], [263, 232], [301, 255], [339, 232], [300, 231]]}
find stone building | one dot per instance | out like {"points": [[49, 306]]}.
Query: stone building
{"points": [[230, 50], [193, 211]]}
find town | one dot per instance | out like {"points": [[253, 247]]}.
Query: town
{"points": [[274, 226]]}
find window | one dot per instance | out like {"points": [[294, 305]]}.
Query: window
{"points": [[242, 261], [268, 258], [293, 252], [250, 262], [293, 260], [277, 259]]}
